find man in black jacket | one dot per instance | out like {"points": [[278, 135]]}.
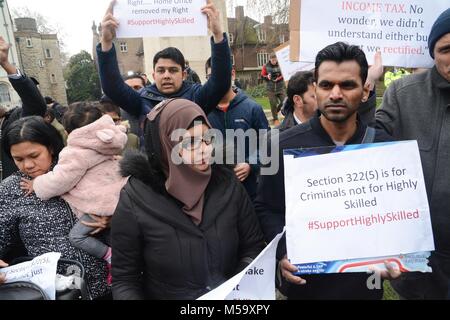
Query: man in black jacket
{"points": [[341, 71], [32, 100]]}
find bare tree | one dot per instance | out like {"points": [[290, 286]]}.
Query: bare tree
{"points": [[278, 9], [44, 27]]}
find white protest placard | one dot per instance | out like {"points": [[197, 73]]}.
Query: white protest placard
{"points": [[288, 67], [256, 282], [160, 18], [356, 201], [397, 28], [41, 271]]}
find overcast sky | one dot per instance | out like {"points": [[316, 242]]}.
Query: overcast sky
{"points": [[74, 17]]}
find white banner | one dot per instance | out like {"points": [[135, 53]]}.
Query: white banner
{"points": [[288, 67], [41, 271], [160, 18], [355, 202], [256, 282], [397, 28]]}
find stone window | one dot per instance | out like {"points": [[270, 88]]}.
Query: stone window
{"points": [[29, 43], [232, 59], [263, 58], [5, 96], [48, 53], [41, 63], [262, 36], [230, 38], [53, 78], [123, 47]]}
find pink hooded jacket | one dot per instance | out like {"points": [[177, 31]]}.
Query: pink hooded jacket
{"points": [[87, 176]]}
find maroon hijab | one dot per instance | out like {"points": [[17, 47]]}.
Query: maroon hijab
{"points": [[182, 181]]}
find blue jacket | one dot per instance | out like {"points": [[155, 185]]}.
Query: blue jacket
{"points": [[243, 113], [140, 103]]}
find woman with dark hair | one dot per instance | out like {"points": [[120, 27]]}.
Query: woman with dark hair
{"points": [[182, 226], [42, 226], [87, 175]]}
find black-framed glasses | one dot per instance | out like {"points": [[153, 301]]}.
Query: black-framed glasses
{"points": [[194, 143]]}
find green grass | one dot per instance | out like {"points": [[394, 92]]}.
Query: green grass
{"points": [[379, 100], [264, 102], [389, 293]]}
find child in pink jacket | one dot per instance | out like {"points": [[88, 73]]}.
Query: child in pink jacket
{"points": [[87, 174]]}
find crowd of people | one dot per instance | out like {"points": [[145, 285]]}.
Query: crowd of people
{"points": [[78, 181]]}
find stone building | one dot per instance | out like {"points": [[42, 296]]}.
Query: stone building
{"points": [[130, 52], [40, 57], [252, 42], [8, 97]]}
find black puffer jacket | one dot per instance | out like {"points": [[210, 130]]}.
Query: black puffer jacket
{"points": [[159, 253]]}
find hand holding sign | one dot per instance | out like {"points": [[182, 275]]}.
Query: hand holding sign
{"points": [[2, 276], [109, 26], [364, 198], [4, 51], [41, 271], [164, 18], [375, 71], [213, 21], [390, 273], [288, 270]]}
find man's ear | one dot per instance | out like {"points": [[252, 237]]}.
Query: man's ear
{"points": [[298, 101], [366, 93]]}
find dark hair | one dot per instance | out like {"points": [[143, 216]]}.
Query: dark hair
{"points": [[196, 121], [50, 113], [81, 114], [298, 85], [134, 76], [340, 52], [33, 129], [48, 100], [109, 106], [171, 53]]}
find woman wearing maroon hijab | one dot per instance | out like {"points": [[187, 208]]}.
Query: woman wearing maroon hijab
{"points": [[182, 226]]}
